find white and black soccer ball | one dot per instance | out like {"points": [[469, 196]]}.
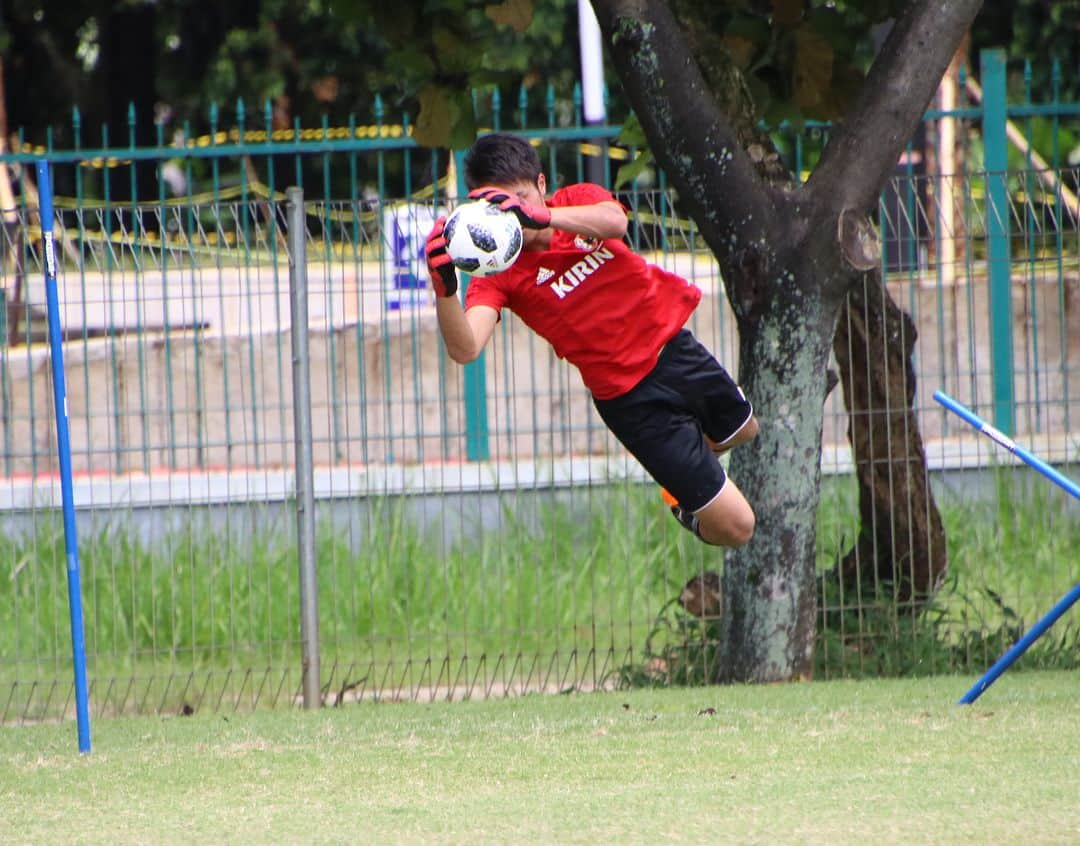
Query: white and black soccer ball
{"points": [[481, 239]]}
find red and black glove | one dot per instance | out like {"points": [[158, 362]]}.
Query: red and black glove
{"points": [[443, 276], [529, 216]]}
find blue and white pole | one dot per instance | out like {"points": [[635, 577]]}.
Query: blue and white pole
{"points": [[1004, 440], [63, 448], [1067, 601], [1005, 661]]}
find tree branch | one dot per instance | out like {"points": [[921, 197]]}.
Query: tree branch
{"points": [[692, 139], [865, 148]]}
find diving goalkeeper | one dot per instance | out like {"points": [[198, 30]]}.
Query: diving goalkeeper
{"points": [[618, 319]]}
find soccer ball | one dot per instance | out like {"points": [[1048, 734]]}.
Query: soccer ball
{"points": [[481, 239]]}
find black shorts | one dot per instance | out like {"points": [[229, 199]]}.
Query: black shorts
{"points": [[663, 420]]}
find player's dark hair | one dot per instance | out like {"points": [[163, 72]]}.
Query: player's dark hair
{"points": [[501, 159]]}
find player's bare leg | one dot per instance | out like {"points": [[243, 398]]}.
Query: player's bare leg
{"points": [[728, 520]]}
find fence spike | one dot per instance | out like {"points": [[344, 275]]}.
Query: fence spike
{"points": [[523, 106]]}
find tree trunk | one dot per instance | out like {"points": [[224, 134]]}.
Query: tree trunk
{"points": [[769, 585], [901, 543]]}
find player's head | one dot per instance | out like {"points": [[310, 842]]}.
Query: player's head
{"points": [[509, 162], [503, 160]]}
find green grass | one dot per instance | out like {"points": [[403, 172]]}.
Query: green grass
{"points": [[880, 762], [200, 594], [595, 573]]}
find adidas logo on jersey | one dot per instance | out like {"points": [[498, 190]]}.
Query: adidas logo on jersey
{"points": [[573, 277], [543, 275]]}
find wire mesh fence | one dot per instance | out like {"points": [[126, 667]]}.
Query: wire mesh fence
{"points": [[479, 531]]}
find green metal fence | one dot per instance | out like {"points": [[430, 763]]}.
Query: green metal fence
{"points": [[479, 532]]}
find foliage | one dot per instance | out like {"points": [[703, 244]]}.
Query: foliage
{"points": [[800, 58], [300, 60], [1037, 30], [287, 60]]}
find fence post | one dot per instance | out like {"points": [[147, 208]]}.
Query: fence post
{"points": [[995, 141], [476, 420], [304, 470]]}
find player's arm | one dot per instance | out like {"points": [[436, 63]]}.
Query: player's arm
{"points": [[602, 220], [606, 219], [464, 332]]}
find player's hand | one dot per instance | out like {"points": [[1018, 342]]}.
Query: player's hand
{"points": [[441, 269], [529, 216]]}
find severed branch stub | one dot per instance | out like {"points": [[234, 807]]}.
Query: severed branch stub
{"points": [[701, 595], [859, 241]]}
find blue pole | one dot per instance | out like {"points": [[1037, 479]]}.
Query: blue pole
{"points": [[1067, 601], [63, 448], [1021, 646], [1004, 440]]}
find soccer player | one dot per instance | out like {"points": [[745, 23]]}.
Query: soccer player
{"points": [[614, 316]]}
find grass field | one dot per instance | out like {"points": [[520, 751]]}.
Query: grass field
{"points": [[841, 762]]}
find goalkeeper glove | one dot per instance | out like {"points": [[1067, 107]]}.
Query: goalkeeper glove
{"points": [[529, 216], [440, 267]]}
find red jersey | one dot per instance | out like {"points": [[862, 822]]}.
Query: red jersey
{"points": [[599, 304]]}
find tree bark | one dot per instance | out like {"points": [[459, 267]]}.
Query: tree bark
{"points": [[769, 585], [901, 544]]}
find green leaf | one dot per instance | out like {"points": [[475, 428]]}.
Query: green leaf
{"points": [[454, 54], [787, 12], [397, 23], [627, 173], [410, 62], [446, 118], [812, 70], [432, 127], [632, 133], [741, 50], [514, 13], [751, 28], [779, 111], [354, 10], [847, 81], [462, 120]]}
